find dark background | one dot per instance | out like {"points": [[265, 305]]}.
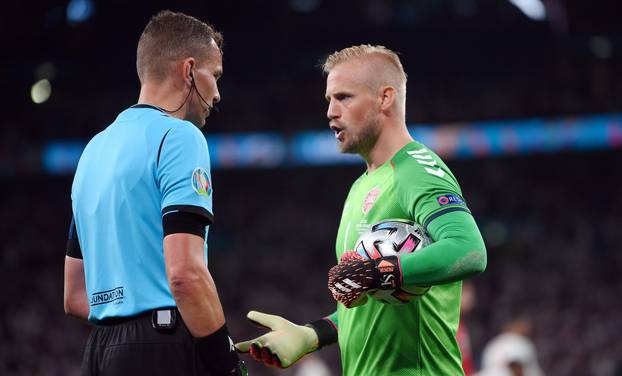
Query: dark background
{"points": [[551, 222]]}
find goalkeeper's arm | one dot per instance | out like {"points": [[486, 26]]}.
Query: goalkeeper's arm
{"points": [[457, 253], [287, 342]]}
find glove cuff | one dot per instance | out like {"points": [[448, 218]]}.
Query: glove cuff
{"points": [[326, 331], [389, 272]]}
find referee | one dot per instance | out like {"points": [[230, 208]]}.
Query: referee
{"points": [[136, 264]]}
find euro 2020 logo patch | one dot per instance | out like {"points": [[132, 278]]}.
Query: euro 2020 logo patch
{"points": [[200, 182]]}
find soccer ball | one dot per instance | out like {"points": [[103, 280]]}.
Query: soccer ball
{"points": [[394, 237]]}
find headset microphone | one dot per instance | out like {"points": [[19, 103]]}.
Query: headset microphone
{"points": [[194, 86]]}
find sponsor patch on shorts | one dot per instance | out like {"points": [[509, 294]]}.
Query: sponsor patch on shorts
{"points": [[449, 200]]}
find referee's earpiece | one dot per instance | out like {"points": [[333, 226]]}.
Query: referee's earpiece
{"points": [[194, 86]]}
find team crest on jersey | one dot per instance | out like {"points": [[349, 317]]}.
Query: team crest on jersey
{"points": [[200, 182], [370, 199]]}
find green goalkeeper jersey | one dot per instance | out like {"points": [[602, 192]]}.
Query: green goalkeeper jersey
{"points": [[418, 338]]}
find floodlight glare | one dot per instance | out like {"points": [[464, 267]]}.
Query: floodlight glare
{"points": [[533, 9], [41, 91]]}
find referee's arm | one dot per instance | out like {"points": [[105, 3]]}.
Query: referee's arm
{"points": [[75, 299], [184, 183], [194, 290], [191, 284]]}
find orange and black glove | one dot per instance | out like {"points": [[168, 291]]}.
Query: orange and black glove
{"points": [[353, 277]]}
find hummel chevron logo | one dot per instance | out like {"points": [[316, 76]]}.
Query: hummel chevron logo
{"points": [[417, 156], [438, 172], [426, 159], [420, 151]]}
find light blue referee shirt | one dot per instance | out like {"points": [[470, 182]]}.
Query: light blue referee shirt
{"points": [[144, 165]]}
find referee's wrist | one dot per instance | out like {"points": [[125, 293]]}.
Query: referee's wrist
{"points": [[218, 353]]}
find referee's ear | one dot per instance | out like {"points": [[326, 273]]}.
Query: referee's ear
{"points": [[186, 68]]}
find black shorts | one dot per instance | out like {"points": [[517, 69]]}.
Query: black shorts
{"points": [[134, 347]]}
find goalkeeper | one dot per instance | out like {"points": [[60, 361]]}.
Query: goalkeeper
{"points": [[366, 94]]}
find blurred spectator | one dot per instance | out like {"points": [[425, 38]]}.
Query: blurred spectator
{"points": [[312, 365], [463, 336], [511, 353]]}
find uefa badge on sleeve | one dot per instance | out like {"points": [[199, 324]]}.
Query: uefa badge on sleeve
{"points": [[450, 199], [200, 182]]}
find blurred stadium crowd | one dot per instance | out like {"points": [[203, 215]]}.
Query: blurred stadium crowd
{"points": [[491, 63], [551, 222]]}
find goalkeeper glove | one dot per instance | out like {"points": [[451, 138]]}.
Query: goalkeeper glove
{"points": [[353, 277], [283, 345]]}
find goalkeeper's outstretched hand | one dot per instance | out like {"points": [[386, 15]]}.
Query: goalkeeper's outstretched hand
{"points": [[353, 277], [283, 345]]}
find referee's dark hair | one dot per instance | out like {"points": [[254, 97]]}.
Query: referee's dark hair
{"points": [[168, 37]]}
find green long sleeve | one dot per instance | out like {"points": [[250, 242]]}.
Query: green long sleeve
{"points": [[457, 253]]}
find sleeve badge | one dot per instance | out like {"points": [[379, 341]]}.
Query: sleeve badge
{"points": [[200, 182]]}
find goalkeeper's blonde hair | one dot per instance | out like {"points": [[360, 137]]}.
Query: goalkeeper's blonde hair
{"points": [[387, 66]]}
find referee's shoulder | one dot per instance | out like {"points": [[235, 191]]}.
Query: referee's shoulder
{"points": [[182, 128], [183, 133]]}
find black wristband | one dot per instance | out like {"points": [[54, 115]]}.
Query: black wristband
{"points": [[218, 353], [325, 330]]}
